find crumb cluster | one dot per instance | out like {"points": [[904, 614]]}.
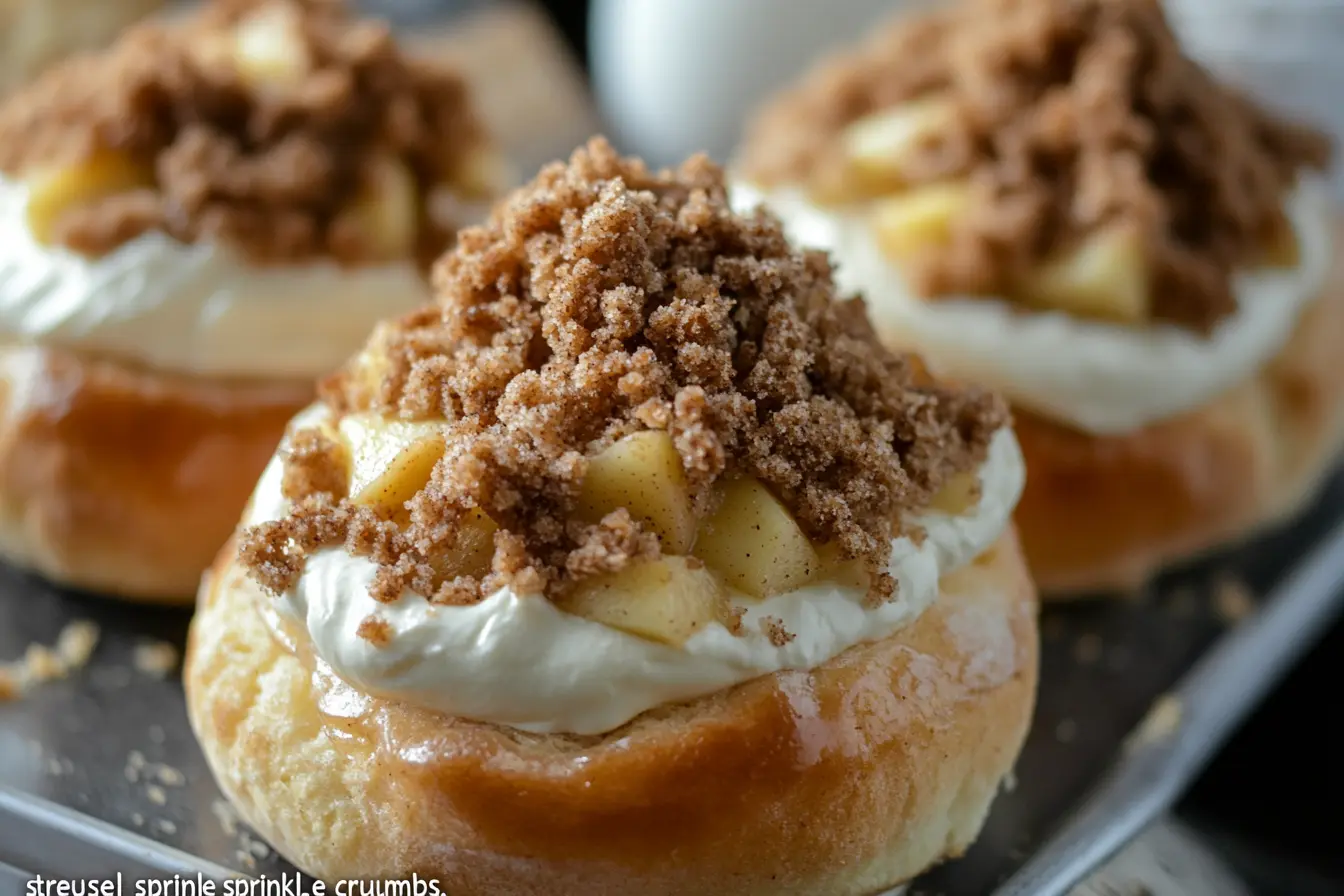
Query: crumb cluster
{"points": [[603, 300], [1068, 116], [74, 647], [270, 168]]}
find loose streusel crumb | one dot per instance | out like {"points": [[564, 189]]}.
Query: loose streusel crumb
{"points": [[314, 464], [155, 658], [375, 630], [775, 632], [1233, 599], [1067, 116], [270, 169], [40, 664], [604, 300]]}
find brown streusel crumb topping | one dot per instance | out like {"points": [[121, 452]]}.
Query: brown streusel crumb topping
{"points": [[1068, 115], [603, 300], [270, 169]]}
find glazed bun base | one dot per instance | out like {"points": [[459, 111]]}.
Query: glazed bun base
{"points": [[1105, 513], [124, 481], [848, 779]]}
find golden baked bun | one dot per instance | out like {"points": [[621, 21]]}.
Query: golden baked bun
{"points": [[223, 281], [845, 779], [640, 434], [1129, 190], [1107, 512], [126, 481]]}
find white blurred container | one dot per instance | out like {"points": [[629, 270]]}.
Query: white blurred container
{"points": [[1289, 53], [676, 76]]}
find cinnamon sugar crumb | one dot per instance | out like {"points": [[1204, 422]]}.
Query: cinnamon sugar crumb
{"points": [[773, 629], [1067, 117], [603, 300], [269, 167], [1233, 600], [155, 658], [40, 664], [375, 630], [315, 463]]}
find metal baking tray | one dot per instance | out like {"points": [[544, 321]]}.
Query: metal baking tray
{"points": [[100, 773]]}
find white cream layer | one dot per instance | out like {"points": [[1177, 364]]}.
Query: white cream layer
{"points": [[517, 660], [1100, 377], [196, 309]]}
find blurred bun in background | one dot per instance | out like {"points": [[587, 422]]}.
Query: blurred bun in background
{"points": [[1284, 52], [35, 33]]}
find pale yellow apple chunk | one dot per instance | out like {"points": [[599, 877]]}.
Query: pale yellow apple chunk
{"points": [[836, 568], [667, 600], [754, 543], [878, 147], [391, 460], [909, 224], [268, 47], [642, 473], [54, 191], [473, 551], [1106, 277], [958, 495], [386, 211]]}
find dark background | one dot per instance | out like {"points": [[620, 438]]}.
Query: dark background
{"points": [[1273, 801]]}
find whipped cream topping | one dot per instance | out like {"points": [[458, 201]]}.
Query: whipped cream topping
{"points": [[518, 660], [195, 309], [1100, 377]]}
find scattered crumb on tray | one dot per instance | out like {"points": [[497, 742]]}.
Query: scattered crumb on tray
{"points": [[157, 795], [1163, 720], [226, 815], [40, 663], [1087, 649], [1066, 731], [1233, 600], [155, 658]]}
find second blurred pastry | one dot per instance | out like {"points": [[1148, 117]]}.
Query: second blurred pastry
{"points": [[197, 224], [1049, 197]]}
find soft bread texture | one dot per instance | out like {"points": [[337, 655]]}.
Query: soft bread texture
{"points": [[1105, 513], [847, 779], [123, 481]]}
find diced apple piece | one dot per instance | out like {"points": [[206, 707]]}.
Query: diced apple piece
{"points": [[386, 210], [474, 550], [754, 543], [269, 49], [958, 495], [642, 473], [391, 459], [52, 191], [845, 571], [1106, 277], [878, 146], [911, 223], [667, 600]]}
